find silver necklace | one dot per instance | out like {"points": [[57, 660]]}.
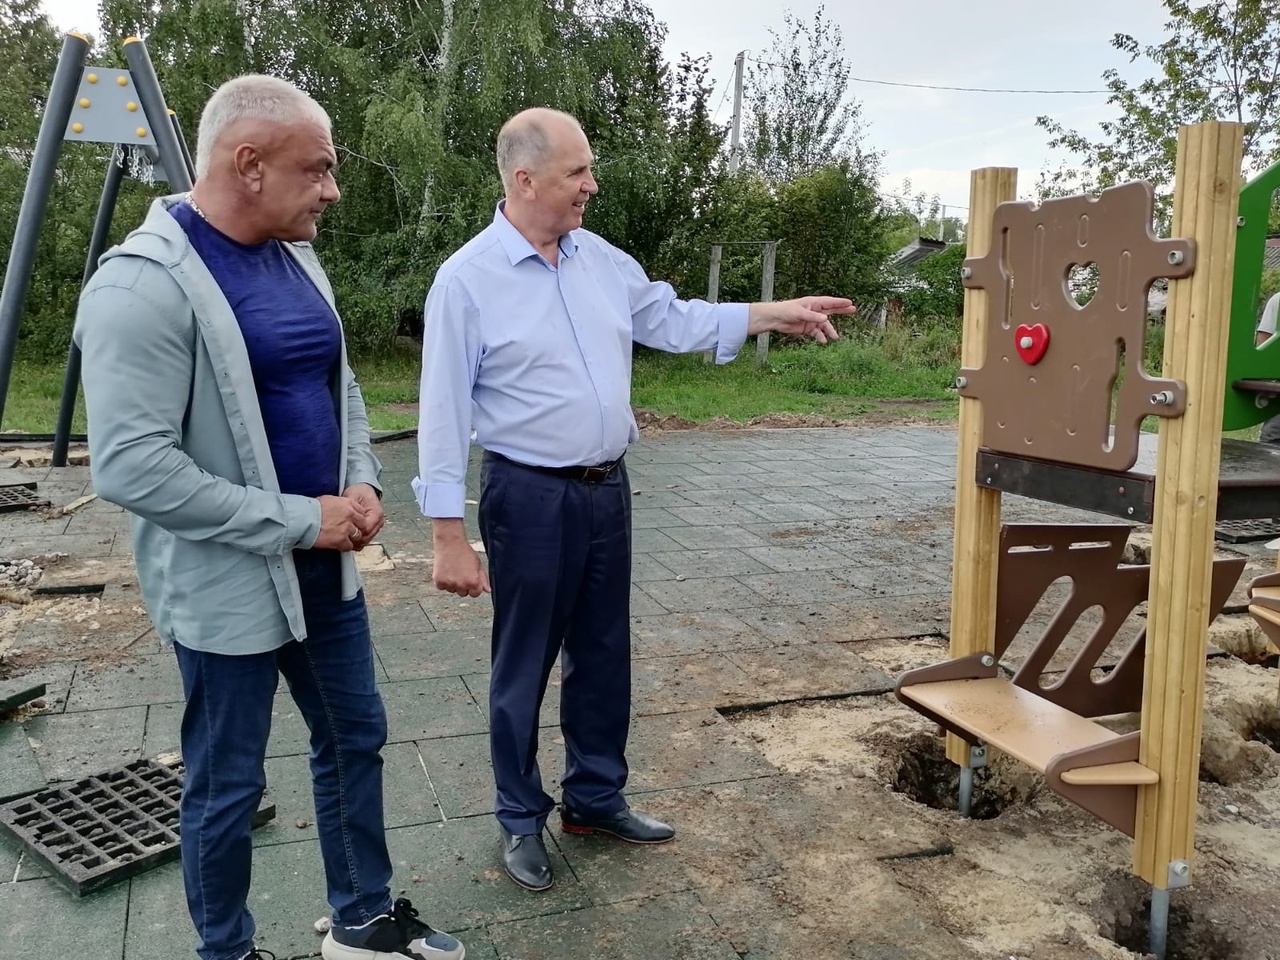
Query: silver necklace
{"points": [[196, 207]]}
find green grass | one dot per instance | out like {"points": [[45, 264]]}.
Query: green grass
{"points": [[841, 380], [35, 391]]}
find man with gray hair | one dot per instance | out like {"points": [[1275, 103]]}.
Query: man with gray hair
{"points": [[527, 340], [223, 414]]}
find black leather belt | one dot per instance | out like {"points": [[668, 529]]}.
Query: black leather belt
{"points": [[597, 474]]}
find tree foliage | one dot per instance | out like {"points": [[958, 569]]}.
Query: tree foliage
{"points": [[417, 92], [799, 116], [1219, 60]]}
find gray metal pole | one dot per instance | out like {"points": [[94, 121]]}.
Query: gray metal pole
{"points": [[97, 243], [1158, 930], [162, 127], [35, 199], [182, 142]]}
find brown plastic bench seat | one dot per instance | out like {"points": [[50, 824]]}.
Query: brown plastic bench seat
{"points": [[1025, 726]]}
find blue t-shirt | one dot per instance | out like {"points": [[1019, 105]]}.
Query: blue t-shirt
{"points": [[294, 345]]}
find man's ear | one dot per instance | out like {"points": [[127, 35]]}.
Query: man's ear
{"points": [[524, 182], [248, 159]]}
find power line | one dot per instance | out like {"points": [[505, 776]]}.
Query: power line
{"points": [[938, 86]]}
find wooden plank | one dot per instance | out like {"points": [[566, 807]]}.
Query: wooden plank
{"points": [[1111, 775], [1195, 346], [977, 516], [1009, 718]]}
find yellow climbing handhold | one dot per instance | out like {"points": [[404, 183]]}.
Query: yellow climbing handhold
{"points": [[142, 131], [84, 102], [122, 80], [92, 78], [131, 106], [77, 128]]}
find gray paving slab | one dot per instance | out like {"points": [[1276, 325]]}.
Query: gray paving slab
{"points": [[675, 925], [427, 709], [651, 518], [448, 612], [10, 854], [697, 538], [699, 564], [703, 631], [71, 746], [289, 734], [463, 886], [20, 771], [798, 586], [811, 670], [57, 678], [696, 682], [408, 797], [646, 566], [702, 593], [151, 679], [286, 897], [449, 653], [478, 685], [39, 919]]}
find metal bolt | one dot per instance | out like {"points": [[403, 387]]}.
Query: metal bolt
{"points": [[1239, 221], [1179, 868], [1176, 257], [988, 660], [1130, 511], [961, 382], [1162, 399], [966, 273]]}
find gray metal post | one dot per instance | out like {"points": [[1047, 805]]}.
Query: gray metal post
{"points": [[35, 199], [186, 149], [97, 243], [768, 261], [158, 116], [1158, 931]]}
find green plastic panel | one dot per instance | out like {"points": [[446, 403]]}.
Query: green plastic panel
{"points": [[1244, 360]]}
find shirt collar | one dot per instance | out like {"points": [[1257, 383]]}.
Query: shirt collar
{"points": [[517, 247]]}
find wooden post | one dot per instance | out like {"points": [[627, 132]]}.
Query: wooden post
{"points": [[977, 521], [1195, 351], [768, 260], [713, 290]]}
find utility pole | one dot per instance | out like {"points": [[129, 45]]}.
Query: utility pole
{"points": [[942, 223], [735, 138]]}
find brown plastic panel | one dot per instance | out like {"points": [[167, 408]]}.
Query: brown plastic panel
{"points": [[1116, 805], [1046, 381], [1032, 558]]}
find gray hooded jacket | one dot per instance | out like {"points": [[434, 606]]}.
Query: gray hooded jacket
{"points": [[176, 437]]}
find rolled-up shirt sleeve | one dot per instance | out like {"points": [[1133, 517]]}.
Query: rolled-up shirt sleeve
{"points": [[450, 362], [663, 321]]}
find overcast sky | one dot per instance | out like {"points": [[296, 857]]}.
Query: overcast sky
{"points": [[933, 137]]}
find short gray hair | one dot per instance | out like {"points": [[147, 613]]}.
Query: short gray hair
{"points": [[523, 142], [252, 97]]}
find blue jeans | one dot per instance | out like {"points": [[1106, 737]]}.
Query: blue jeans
{"points": [[224, 743]]}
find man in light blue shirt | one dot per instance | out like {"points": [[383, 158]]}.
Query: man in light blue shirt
{"points": [[527, 350]]}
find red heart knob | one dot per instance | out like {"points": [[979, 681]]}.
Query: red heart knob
{"points": [[1031, 341]]}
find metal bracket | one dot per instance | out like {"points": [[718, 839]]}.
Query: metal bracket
{"points": [[1179, 875]]}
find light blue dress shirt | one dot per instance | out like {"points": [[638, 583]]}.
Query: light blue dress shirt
{"points": [[533, 361]]}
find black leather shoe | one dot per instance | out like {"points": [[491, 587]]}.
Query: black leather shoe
{"points": [[525, 858], [626, 824]]}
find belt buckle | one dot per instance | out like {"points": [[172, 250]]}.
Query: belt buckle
{"points": [[596, 474]]}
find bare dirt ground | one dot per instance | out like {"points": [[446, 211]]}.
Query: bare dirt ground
{"points": [[871, 822]]}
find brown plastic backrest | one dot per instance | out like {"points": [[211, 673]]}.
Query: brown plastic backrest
{"points": [[1032, 558], [1046, 380]]}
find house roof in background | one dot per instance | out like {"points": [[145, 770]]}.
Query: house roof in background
{"points": [[919, 249]]}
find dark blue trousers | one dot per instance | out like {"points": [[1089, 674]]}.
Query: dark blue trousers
{"points": [[560, 569]]}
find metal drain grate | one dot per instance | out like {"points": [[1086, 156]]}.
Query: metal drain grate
{"points": [[1242, 531], [20, 496], [107, 827]]}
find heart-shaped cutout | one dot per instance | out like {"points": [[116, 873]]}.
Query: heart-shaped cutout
{"points": [[1031, 341]]}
